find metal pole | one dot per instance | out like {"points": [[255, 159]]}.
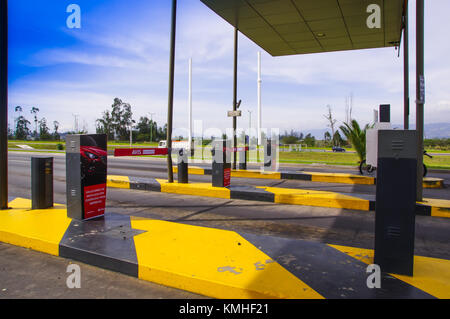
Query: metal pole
{"points": [[171, 85], [131, 135], [235, 95], [420, 94], [3, 104], [406, 69], [190, 104], [151, 126], [259, 99]]}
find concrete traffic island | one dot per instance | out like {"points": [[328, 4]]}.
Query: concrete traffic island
{"points": [[213, 262], [429, 207], [323, 177]]}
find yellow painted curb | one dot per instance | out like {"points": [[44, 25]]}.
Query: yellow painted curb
{"points": [[118, 181], [211, 262], [192, 170], [340, 178], [196, 189], [40, 230], [255, 174], [439, 207], [316, 198], [431, 275], [431, 182]]}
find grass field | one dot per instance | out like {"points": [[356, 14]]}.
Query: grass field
{"points": [[441, 161], [329, 158]]}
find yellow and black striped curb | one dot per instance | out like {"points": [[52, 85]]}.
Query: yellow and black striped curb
{"points": [[323, 177], [429, 207], [213, 262]]}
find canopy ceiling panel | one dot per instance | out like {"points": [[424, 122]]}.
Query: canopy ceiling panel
{"points": [[285, 27]]}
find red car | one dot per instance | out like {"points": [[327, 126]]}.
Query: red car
{"points": [[93, 159]]}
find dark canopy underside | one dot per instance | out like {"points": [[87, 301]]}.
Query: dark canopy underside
{"points": [[285, 27]]}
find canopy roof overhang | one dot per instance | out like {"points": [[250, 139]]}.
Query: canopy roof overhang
{"points": [[286, 27]]}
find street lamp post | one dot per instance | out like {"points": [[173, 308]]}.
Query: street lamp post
{"points": [[236, 34], [151, 126]]}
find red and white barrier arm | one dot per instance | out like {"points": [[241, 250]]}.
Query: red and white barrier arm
{"points": [[140, 151], [235, 149]]}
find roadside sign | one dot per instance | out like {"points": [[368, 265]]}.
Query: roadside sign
{"points": [[234, 113]]}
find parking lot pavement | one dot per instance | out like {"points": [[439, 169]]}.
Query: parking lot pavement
{"points": [[29, 274]]}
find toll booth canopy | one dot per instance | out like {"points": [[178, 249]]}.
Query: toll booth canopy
{"points": [[287, 27]]}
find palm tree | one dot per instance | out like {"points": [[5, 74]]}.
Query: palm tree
{"points": [[357, 137]]}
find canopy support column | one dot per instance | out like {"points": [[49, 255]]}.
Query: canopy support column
{"points": [[171, 86], [406, 69], [420, 94], [3, 104]]}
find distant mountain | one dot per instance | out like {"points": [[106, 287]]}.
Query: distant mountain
{"points": [[433, 130]]}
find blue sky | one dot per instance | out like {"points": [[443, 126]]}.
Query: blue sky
{"points": [[122, 50]]}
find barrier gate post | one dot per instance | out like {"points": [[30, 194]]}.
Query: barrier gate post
{"points": [[396, 201], [221, 165], [86, 165]]}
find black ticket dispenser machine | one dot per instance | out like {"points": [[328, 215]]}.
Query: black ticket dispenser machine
{"points": [[221, 165], [396, 201], [86, 170]]}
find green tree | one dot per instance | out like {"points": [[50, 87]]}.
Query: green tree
{"points": [[289, 140], [327, 137], [143, 127], [309, 140], [104, 125], [56, 135], [121, 118], [337, 139], [161, 133], [22, 130], [44, 131], [356, 136]]}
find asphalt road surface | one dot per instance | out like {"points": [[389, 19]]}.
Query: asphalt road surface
{"points": [[328, 225]]}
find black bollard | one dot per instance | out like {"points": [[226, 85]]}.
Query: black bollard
{"points": [[183, 176], [221, 165], [267, 153], [41, 182], [243, 155]]}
